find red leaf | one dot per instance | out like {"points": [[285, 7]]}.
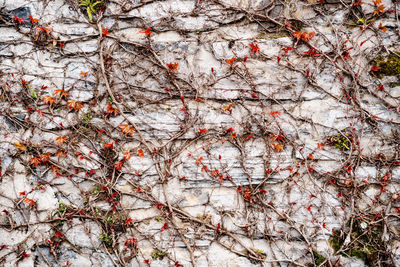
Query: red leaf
{"points": [[111, 145], [374, 68], [254, 47], [165, 226], [147, 31], [105, 32], [275, 113], [159, 206], [25, 255], [287, 49], [129, 221], [172, 66], [33, 20]]}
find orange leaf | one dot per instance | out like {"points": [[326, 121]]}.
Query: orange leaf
{"points": [[140, 153], [61, 139], [45, 157], [127, 155], [34, 161], [61, 153], [321, 146], [214, 173], [230, 61], [126, 129], [48, 99], [20, 146], [277, 147], [379, 9], [112, 111], [382, 28], [297, 34], [198, 161], [61, 92], [30, 202], [74, 105], [308, 36]]}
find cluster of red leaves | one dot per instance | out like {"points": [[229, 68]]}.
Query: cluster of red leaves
{"points": [[247, 194], [287, 49], [55, 170], [313, 53], [358, 3], [119, 164], [305, 36], [18, 20], [130, 242], [36, 160]]}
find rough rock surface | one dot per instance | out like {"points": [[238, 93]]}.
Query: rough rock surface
{"points": [[199, 133]]}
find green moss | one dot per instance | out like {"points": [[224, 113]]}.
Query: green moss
{"points": [[158, 255], [388, 66], [92, 7], [274, 35], [341, 141], [366, 243], [318, 258], [106, 238]]}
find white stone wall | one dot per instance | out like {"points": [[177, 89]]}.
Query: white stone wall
{"points": [[230, 164]]}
